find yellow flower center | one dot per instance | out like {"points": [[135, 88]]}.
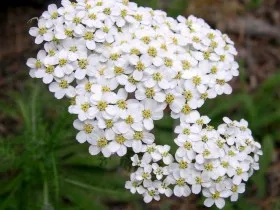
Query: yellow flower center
{"points": [[102, 105], [168, 62], [138, 135], [196, 80], [107, 11], [62, 62], [42, 31], [186, 109], [150, 92], [183, 164], [54, 15], [63, 84], [92, 16], [115, 56], [120, 139], [209, 166], [88, 128], [102, 142], [50, 69], [88, 87], [188, 145], [109, 123], [146, 114], [129, 120], [180, 182], [157, 76], [85, 107], [83, 63], [216, 195], [152, 51], [89, 35]]}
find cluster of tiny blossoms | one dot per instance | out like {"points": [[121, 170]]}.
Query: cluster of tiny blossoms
{"points": [[122, 66]]}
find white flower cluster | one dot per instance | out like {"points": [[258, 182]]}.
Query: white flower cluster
{"points": [[122, 66], [214, 162]]}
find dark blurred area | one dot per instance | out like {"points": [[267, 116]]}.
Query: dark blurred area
{"points": [[254, 26]]}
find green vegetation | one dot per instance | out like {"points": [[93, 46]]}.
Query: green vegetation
{"points": [[41, 164]]}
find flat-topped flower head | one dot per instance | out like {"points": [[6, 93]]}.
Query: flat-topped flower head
{"points": [[123, 67]]}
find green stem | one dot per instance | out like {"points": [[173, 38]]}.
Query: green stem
{"points": [[45, 185], [56, 183], [46, 193]]}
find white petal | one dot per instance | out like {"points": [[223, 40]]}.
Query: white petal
{"points": [[94, 150], [81, 137], [209, 202], [114, 146], [220, 203]]}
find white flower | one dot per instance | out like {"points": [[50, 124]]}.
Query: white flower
{"points": [[175, 100], [64, 66], [181, 188], [119, 144], [217, 197], [84, 66], [151, 111], [75, 19], [139, 139], [51, 15], [140, 64], [62, 87], [75, 49], [134, 185], [36, 64], [144, 173], [237, 189], [163, 187], [158, 171], [128, 82], [42, 33], [152, 152], [151, 193], [84, 87], [150, 93], [131, 119], [88, 36], [87, 129], [99, 143], [84, 109], [47, 74], [106, 33], [167, 158], [94, 19], [198, 181], [239, 173]]}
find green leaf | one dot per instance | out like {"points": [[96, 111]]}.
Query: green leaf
{"points": [[8, 186], [84, 159], [259, 178], [113, 194], [81, 198], [177, 7], [268, 150], [152, 3]]}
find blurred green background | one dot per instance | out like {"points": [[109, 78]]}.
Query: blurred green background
{"points": [[42, 167]]}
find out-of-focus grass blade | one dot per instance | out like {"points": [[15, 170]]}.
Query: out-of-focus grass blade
{"points": [[85, 159], [260, 177], [177, 7], [152, 3], [119, 194], [8, 186], [81, 199]]}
